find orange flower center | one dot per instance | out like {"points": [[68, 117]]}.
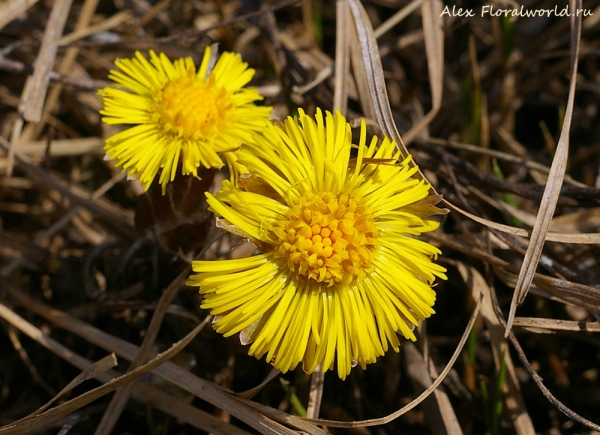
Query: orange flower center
{"points": [[191, 108], [328, 238]]}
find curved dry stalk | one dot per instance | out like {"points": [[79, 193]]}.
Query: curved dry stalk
{"points": [[249, 394], [439, 413], [537, 378], [422, 396], [582, 238], [119, 400], [555, 180], [141, 392], [515, 405], [33, 422], [581, 295], [199, 387]]}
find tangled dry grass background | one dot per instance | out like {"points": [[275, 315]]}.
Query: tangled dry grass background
{"points": [[492, 110]]}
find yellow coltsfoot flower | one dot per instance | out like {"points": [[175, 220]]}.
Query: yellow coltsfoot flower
{"points": [[341, 272], [181, 115]]}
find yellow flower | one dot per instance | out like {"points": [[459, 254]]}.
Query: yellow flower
{"points": [[340, 273], [179, 113]]}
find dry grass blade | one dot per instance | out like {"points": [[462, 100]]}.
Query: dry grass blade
{"points": [[13, 8], [439, 413], [17, 129], [583, 220], [373, 77], [302, 424], [114, 215], [315, 395], [556, 325], [537, 378], [375, 102], [501, 205], [529, 219], [582, 238], [37, 421], [320, 77], [530, 164], [342, 56], [89, 372], [515, 405], [361, 75], [103, 26], [141, 392], [434, 50], [97, 368], [248, 394], [203, 389], [62, 147], [42, 338], [76, 82], [59, 224], [183, 411], [555, 179], [446, 409], [45, 60], [397, 17], [119, 400], [422, 396], [24, 356], [85, 16], [581, 295]]}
